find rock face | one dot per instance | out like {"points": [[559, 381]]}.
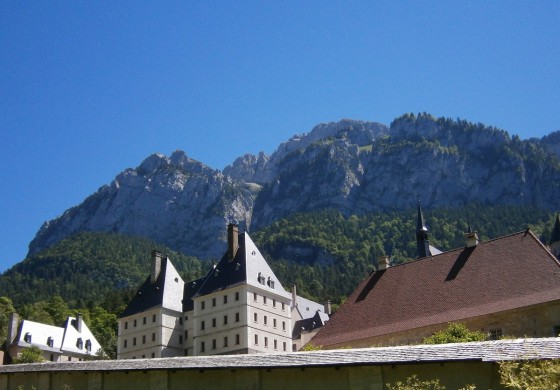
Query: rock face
{"points": [[352, 166]]}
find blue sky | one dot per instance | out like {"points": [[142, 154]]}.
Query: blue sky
{"points": [[88, 89]]}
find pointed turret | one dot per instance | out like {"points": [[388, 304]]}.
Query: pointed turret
{"points": [[554, 243], [422, 241]]}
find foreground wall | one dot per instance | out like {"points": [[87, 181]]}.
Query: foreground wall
{"points": [[452, 375]]}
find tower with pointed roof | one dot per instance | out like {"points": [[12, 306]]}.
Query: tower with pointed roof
{"points": [[422, 238], [554, 243]]}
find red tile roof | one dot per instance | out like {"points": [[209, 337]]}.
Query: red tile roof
{"points": [[501, 274]]}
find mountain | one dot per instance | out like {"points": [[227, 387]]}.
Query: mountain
{"points": [[351, 166]]}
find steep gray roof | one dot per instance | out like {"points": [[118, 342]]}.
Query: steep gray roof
{"points": [[487, 351]]}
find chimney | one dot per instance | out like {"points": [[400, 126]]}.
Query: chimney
{"points": [[294, 295], [328, 307], [79, 322], [156, 265], [233, 241], [472, 239], [12, 328], [383, 263]]}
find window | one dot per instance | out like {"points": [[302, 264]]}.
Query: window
{"points": [[274, 322], [270, 282], [143, 356], [284, 326], [180, 320], [213, 302], [264, 300], [50, 342], [237, 341], [154, 318], [255, 297], [125, 343], [213, 343], [265, 320], [274, 303], [236, 317], [153, 337], [144, 321], [126, 324], [260, 278], [225, 299], [275, 344], [180, 339], [266, 342], [237, 296], [144, 339], [495, 334], [52, 357], [134, 341], [135, 323], [201, 325], [283, 306], [213, 322], [202, 305], [153, 355], [255, 317], [225, 342], [80, 343], [202, 346], [27, 337], [225, 320], [294, 348], [556, 331], [256, 339], [284, 346]]}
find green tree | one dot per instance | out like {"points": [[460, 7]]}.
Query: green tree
{"points": [[29, 355], [455, 333], [6, 308], [531, 375]]}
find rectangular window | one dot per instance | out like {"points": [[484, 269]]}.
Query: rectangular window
{"points": [[153, 337], [255, 297], [495, 334], [144, 321], [225, 320], [284, 346], [154, 318], [237, 296], [283, 306], [143, 339], [556, 331], [213, 302], [256, 339], [225, 299], [180, 339], [134, 341], [202, 346], [135, 323], [125, 343], [264, 300], [274, 323], [237, 341], [213, 343], [266, 342], [255, 317], [126, 324], [274, 303], [225, 342], [201, 325], [213, 322], [180, 320], [265, 320], [153, 355], [284, 326], [202, 305], [236, 317], [275, 344]]}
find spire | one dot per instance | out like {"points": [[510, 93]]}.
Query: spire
{"points": [[422, 241], [555, 236]]}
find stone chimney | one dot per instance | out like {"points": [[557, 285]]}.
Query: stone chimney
{"points": [[233, 240], [156, 265], [328, 307], [79, 322], [472, 239], [383, 263], [12, 328]]}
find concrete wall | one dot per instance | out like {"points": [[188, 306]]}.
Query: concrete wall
{"points": [[453, 375]]}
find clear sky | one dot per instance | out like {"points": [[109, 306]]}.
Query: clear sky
{"points": [[89, 88]]}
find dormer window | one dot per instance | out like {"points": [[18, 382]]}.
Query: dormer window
{"points": [[270, 282], [261, 279], [80, 343], [88, 345], [50, 342], [27, 338]]}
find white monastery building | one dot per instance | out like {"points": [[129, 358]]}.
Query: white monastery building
{"points": [[239, 307]]}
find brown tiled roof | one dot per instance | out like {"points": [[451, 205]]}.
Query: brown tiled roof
{"points": [[501, 274]]}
